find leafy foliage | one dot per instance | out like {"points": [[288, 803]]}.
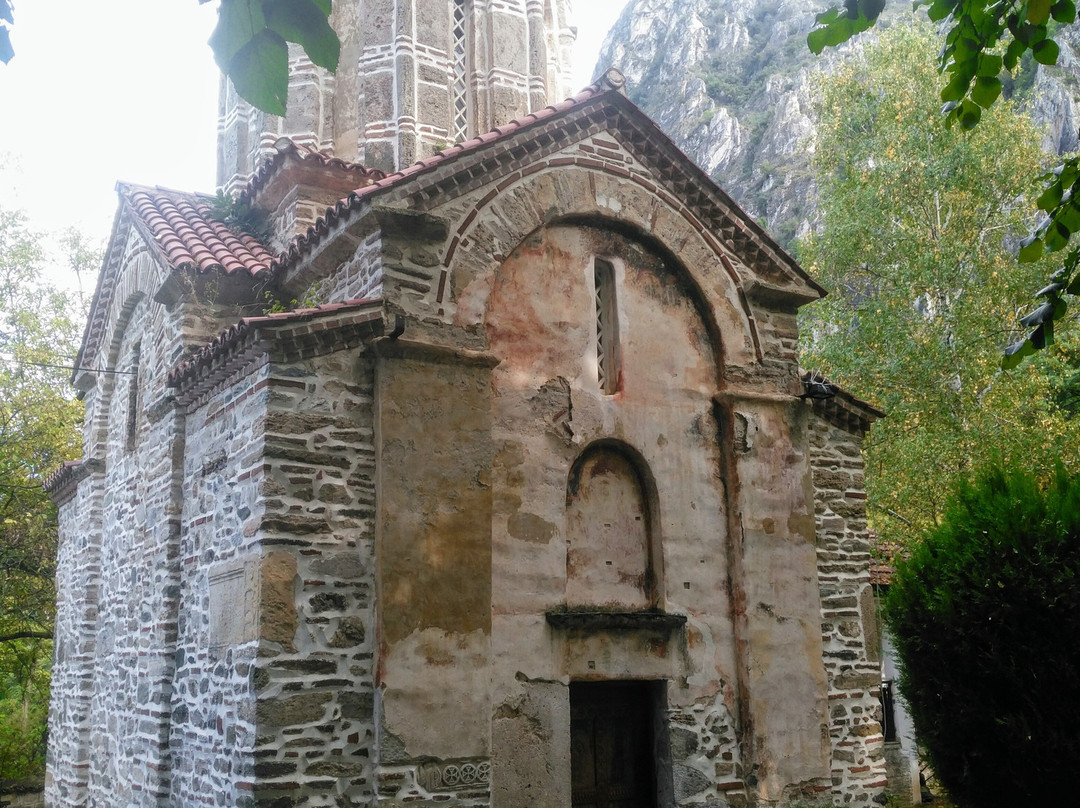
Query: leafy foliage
{"points": [[985, 42], [240, 217], [915, 249], [39, 429], [985, 617], [250, 45]]}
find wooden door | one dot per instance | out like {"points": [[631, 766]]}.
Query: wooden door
{"points": [[611, 745]]}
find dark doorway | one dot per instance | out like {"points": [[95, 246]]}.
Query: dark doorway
{"points": [[612, 758]]}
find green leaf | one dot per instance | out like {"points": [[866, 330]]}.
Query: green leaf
{"points": [[1039, 316], [1038, 11], [986, 91], [955, 90], [1015, 353], [939, 10], [1057, 236], [840, 31], [1013, 52], [871, 9], [828, 16], [303, 22], [260, 72], [238, 22], [989, 64], [1064, 11], [1051, 197], [1068, 214], [1074, 287], [970, 114], [965, 48], [816, 40], [1045, 52], [1042, 336], [1031, 249]]}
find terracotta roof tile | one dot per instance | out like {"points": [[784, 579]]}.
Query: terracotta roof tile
{"points": [[189, 238]]}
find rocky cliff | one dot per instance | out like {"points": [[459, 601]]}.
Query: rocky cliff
{"points": [[731, 83]]}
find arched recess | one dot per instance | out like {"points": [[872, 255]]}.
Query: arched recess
{"points": [[119, 374], [488, 233], [613, 554]]}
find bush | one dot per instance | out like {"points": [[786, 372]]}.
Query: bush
{"points": [[986, 620]]}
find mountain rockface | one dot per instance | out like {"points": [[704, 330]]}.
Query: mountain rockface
{"points": [[731, 83]]}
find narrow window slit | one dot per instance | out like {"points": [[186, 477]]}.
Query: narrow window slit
{"points": [[607, 327], [133, 401]]}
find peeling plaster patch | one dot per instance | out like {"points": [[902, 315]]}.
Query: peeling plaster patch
{"points": [[745, 430], [611, 203], [530, 527]]}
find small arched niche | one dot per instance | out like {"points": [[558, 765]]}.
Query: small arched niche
{"points": [[609, 530]]}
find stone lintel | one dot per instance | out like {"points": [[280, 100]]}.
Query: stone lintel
{"points": [[787, 299], [411, 224], [602, 620], [396, 348], [732, 394]]}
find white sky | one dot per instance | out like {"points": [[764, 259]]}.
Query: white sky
{"points": [[127, 90]]}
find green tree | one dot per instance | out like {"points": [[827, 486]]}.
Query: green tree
{"points": [[985, 41], [914, 247], [985, 617], [39, 429]]}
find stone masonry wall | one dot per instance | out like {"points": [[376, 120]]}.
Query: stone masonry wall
{"points": [[359, 276], [848, 618], [314, 677], [118, 568], [78, 565], [213, 708]]}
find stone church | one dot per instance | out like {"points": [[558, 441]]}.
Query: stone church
{"points": [[525, 503]]}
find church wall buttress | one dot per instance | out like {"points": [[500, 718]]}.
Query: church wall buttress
{"points": [[849, 622]]}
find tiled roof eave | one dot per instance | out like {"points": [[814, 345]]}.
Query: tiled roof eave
{"points": [[843, 409], [301, 332], [286, 149], [63, 483]]}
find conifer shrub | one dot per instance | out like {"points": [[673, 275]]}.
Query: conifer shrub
{"points": [[986, 619]]}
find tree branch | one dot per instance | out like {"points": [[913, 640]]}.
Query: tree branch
{"points": [[26, 635]]}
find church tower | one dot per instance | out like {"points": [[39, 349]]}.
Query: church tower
{"points": [[414, 77]]}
